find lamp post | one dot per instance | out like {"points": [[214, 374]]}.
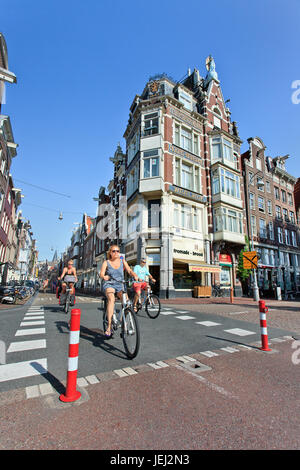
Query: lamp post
{"points": [[260, 184]]}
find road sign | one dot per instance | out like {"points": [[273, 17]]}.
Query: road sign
{"points": [[250, 260]]}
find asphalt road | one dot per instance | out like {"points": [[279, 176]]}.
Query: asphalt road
{"points": [[174, 333]]}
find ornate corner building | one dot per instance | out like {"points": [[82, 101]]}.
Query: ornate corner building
{"points": [[185, 197]]}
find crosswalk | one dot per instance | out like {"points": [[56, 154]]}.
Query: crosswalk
{"points": [[29, 328], [207, 323]]}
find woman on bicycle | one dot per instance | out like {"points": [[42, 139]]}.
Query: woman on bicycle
{"points": [[112, 273], [69, 275]]}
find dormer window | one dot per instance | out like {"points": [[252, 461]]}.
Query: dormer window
{"points": [[185, 99]]}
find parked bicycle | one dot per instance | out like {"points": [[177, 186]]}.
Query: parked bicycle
{"points": [[127, 322], [217, 291], [151, 303]]}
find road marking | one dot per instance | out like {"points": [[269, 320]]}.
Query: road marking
{"points": [[238, 313], [209, 353], [92, 379], [34, 313], [230, 350], [168, 313], [32, 323], [32, 391], [185, 359], [27, 345], [31, 331], [240, 332], [120, 373], [129, 371], [154, 365], [46, 389], [162, 364], [207, 323], [185, 317], [81, 382], [182, 311], [19, 370], [35, 317]]}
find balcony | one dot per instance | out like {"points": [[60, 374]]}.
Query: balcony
{"points": [[231, 237]]}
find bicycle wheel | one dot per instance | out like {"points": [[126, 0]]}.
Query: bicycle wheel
{"points": [[130, 333], [152, 306]]}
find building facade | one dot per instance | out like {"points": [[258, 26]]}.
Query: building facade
{"points": [[184, 187], [272, 219]]}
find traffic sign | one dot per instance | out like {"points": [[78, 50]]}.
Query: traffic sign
{"points": [[250, 260]]}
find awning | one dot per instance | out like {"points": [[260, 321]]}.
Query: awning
{"points": [[199, 267]]}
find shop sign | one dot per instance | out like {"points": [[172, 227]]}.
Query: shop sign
{"points": [[225, 259], [153, 259], [186, 251]]}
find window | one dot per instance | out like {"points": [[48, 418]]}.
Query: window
{"points": [[229, 220], [253, 224], [258, 163], [252, 200], [276, 192], [226, 182], [285, 215], [283, 195], [262, 228], [271, 230], [251, 179], [186, 100], [133, 146], [186, 216], [221, 149], [151, 124], [187, 175], [261, 204], [154, 213], [292, 217], [186, 139], [278, 212], [268, 186], [260, 183], [279, 234], [270, 208], [151, 163], [287, 237], [294, 238], [290, 199]]}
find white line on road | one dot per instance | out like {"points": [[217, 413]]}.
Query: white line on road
{"points": [[32, 323], [31, 331], [19, 370], [27, 345], [185, 317]]}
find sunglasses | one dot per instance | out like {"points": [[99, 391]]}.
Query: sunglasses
{"points": [[115, 251]]}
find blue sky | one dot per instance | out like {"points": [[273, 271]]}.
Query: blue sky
{"points": [[80, 64]]}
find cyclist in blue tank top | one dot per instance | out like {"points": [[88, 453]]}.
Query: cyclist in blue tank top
{"points": [[112, 273]]}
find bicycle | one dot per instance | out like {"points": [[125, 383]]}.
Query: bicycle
{"points": [[127, 322], [151, 303], [217, 291], [69, 300]]}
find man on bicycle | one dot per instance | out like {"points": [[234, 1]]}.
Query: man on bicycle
{"points": [[142, 272]]}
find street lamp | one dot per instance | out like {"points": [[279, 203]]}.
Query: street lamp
{"points": [[260, 184]]}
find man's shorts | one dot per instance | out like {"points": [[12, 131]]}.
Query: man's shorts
{"points": [[138, 286]]}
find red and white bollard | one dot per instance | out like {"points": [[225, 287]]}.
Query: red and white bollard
{"points": [[263, 326], [71, 393]]}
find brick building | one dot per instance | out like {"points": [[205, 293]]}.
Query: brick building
{"points": [[184, 187], [271, 219]]}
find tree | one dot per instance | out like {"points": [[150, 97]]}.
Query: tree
{"points": [[242, 273]]}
